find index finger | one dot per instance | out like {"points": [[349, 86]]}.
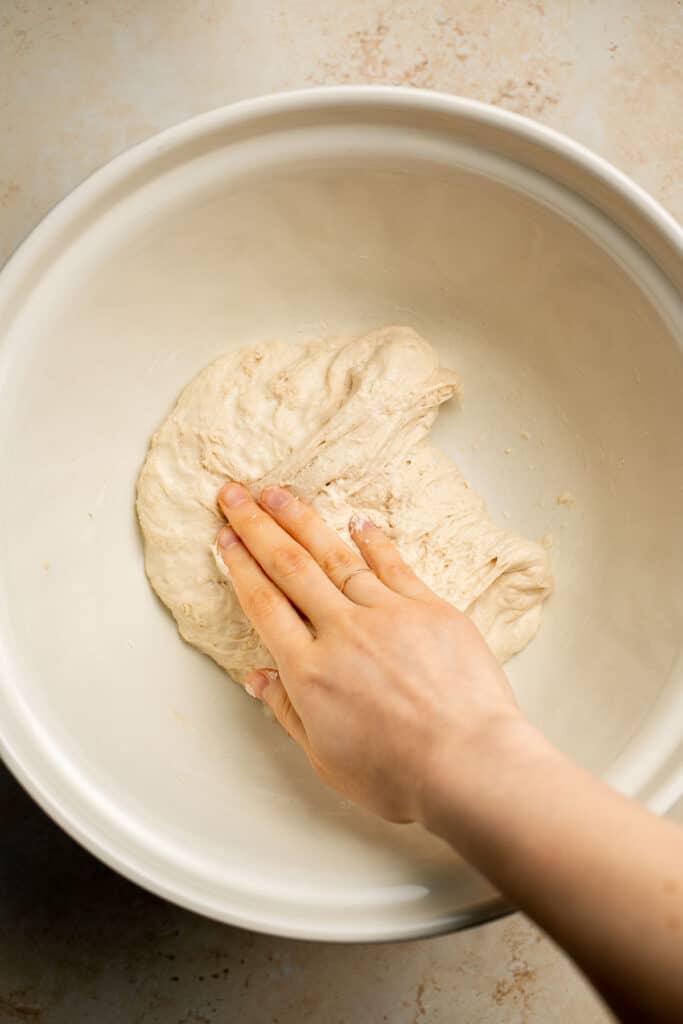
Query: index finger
{"points": [[282, 630]]}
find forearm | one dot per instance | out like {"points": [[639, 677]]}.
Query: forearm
{"points": [[599, 873], [407, 674]]}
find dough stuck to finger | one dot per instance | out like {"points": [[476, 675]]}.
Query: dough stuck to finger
{"points": [[344, 422]]}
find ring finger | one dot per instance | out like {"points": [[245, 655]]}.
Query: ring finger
{"points": [[347, 570]]}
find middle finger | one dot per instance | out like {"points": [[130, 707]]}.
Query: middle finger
{"points": [[347, 570], [287, 563]]}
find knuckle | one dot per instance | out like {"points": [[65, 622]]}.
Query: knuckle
{"points": [[338, 561], [396, 569], [287, 561], [260, 602], [314, 675]]}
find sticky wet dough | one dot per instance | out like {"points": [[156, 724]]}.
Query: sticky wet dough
{"points": [[345, 421]]}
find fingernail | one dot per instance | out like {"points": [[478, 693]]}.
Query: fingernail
{"points": [[357, 522], [227, 537], [276, 497], [232, 494], [256, 683]]}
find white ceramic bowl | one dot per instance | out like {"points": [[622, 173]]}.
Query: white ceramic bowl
{"points": [[551, 282]]}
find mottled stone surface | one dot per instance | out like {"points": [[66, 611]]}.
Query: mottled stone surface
{"points": [[80, 80]]}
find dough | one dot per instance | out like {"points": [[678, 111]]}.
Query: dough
{"points": [[345, 422]]}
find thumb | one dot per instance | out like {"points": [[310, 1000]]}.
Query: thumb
{"points": [[266, 685]]}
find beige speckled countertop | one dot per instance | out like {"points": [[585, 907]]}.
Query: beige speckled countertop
{"points": [[80, 80]]}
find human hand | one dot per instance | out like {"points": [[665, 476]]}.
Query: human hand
{"points": [[386, 677], [400, 705]]}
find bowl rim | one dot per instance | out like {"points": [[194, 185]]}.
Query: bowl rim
{"points": [[26, 763]]}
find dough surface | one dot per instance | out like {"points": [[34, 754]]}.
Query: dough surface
{"points": [[345, 422]]}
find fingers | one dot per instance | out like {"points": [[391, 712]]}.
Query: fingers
{"points": [[287, 563], [265, 684], [337, 560], [382, 556], [277, 623]]}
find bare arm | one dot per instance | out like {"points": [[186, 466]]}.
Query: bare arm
{"points": [[598, 872], [432, 733]]}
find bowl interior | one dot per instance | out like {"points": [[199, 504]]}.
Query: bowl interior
{"points": [[563, 337]]}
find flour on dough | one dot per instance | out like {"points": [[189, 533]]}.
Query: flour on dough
{"points": [[345, 421]]}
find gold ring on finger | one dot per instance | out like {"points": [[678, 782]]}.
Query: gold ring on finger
{"points": [[350, 576]]}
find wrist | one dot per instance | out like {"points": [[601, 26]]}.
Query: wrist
{"points": [[467, 774]]}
